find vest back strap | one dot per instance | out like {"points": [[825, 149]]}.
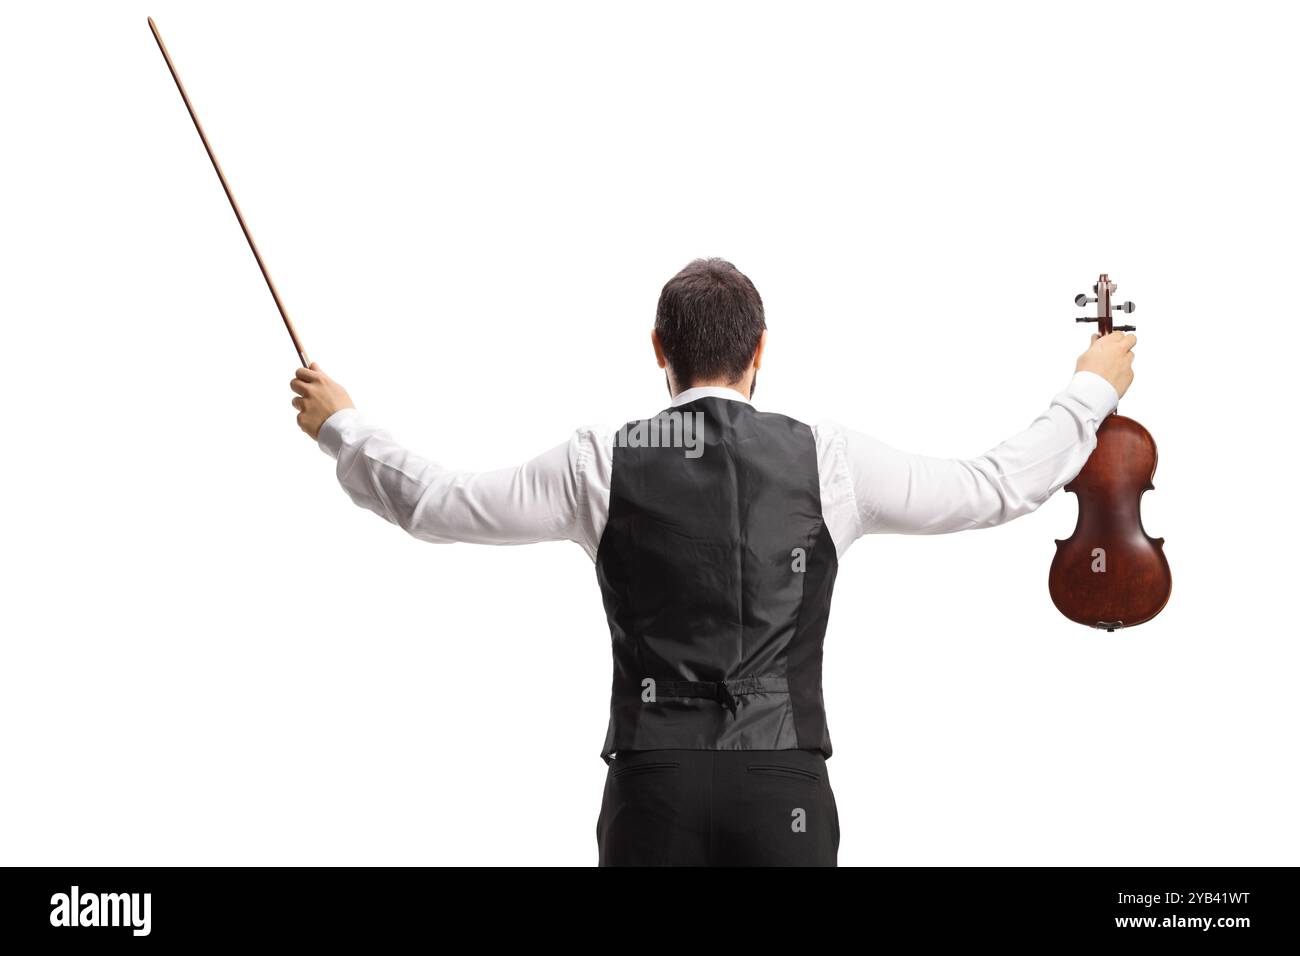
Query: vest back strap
{"points": [[724, 692]]}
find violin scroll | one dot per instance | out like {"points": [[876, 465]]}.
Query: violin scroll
{"points": [[1101, 293]]}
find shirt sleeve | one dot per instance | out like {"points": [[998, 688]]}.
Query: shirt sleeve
{"points": [[540, 500], [901, 493]]}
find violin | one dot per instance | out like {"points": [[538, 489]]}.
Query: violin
{"points": [[1110, 573]]}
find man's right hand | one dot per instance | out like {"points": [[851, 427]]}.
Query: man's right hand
{"points": [[1111, 357]]}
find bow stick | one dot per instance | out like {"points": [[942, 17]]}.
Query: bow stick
{"points": [[302, 356]]}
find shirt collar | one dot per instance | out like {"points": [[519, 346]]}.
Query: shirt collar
{"points": [[708, 391]]}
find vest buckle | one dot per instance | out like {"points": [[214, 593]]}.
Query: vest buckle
{"points": [[726, 698]]}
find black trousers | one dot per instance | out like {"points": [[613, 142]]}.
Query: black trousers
{"points": [[718, 808]]}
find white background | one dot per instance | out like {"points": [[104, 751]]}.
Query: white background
{"points": [[211, 657]]}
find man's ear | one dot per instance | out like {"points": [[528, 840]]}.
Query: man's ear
{"points": [[659, 349], [758, 352]]}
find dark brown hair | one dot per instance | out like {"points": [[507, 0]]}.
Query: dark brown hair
{"points": [[709, 320]]}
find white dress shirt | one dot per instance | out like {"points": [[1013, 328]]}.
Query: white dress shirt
{"points": [[867, 487]]}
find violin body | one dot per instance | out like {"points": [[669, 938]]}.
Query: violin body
{"points": [[1110, 573]]}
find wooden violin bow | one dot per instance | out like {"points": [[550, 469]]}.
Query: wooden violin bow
{"points": [[293, 334]]}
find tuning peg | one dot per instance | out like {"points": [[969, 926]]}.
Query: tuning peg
{"points": [[1086, 318], [1082, 299], [1124, 307]]}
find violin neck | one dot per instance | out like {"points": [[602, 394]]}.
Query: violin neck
{"points": [[1105, 287]]}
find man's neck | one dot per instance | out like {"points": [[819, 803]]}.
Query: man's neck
{"points": [[729, 392], [741, 388]]}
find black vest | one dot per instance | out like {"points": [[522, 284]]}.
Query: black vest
{"points": [[716, 571]]}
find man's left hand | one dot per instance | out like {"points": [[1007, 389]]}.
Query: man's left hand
{"points": [[319, 398]]}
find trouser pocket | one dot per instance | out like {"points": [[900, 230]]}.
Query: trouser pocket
{"points": [[792, 773], [618, 773]]}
